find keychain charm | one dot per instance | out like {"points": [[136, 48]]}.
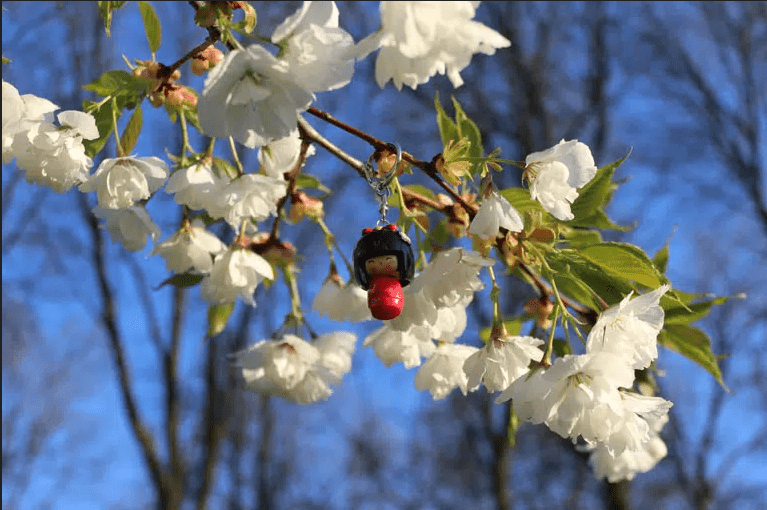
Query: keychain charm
{"points": [[383, 257]]}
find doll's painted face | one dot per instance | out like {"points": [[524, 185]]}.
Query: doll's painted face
{"points": [[382, 265]]}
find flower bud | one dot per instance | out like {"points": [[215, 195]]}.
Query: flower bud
{"points": [[304, 205], [276, 252], [458, 220], [157, 98], [178, 96], [541, 308], [212, 55], [199, 66]]}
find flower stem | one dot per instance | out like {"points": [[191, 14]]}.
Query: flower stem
{"points": [[546, 359], [494, 294], [120, 152], [237, 162]]}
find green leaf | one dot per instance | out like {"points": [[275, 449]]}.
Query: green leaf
{"points": [[581, 279], [117, 83], [693, 344], [520, 199], [218, 316], [598, 219], [595, 195], [103, 116], [421, 190], [660, 259], [447, 128], [309, 181], [685, 314], [106, 9], [626, 261], [469, 130], [561, 347], [132, 131], [190, 114], [576, 289], [151, 26], [416, 188], [181, 280], [578, 238]]}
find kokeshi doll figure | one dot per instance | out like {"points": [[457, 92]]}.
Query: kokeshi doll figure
{"points": [[383, 264]]}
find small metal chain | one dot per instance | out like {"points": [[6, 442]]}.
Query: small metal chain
{"points": [[381, 185]]}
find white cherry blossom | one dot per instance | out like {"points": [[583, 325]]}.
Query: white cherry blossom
{"points": [[556, 173], [494, 213], [626, 465], [566, 395], [322, 14], [320, 54], [420, 39], [253, 97], [392, 346], [296, 370], [501, 362], [190, 248], [236, 272], [452, 276], [343, 302], [13, 112], [50, 155], [130, 226], [196, 186], [121, 182], [20, 113], [616, 465], [336, 351], [280, 156], [443, 371], [630, 328], [248, 197]]}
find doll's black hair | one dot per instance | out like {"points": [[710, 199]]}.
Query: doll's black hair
{"points": [[385, 241]]}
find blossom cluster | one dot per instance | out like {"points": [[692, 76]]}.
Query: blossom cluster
{"points": [[554, 175], [256, 98], [588, 395], [50, 155]]}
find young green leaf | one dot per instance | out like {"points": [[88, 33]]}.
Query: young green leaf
{"points": [[106, 9], [660, 259], [103, 115], [218, 316], [625, 261], [151, 26], [676, 313], [181, 280], [447, 128], [520, 199], [595, 195], [693, 344], [132, 131], [117, 83]]}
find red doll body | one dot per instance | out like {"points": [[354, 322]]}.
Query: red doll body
{"points": [[385, 295]]}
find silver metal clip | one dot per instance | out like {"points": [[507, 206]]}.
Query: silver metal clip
{"points": [[381, 185]]}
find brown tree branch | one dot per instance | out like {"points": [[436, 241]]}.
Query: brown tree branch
{"points": [[172, 401], [109, 320]]}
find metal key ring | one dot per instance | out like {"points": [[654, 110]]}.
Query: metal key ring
{"points": [[381, 184], [384, 181]]}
